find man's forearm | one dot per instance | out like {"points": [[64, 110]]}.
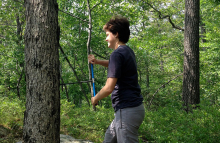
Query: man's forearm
{"points": [[102, 94], [106, 90], [102, 62]]}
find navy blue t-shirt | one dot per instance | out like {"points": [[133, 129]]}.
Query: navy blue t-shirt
{"points": [[122, 65]]}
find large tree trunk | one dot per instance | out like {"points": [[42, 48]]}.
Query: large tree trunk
{"points": [[42, 115], [191, 54]]}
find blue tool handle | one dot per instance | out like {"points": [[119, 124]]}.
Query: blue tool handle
{"points": [[93, 80]]}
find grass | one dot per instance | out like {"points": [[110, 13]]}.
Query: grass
{"points": [[167, 124]]}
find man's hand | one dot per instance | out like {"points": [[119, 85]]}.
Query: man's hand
{"points": [[93, 101], [92, 59]]}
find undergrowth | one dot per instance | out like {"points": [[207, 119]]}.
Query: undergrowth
{"points": [[169, 124], [11, 119], [84, 122], [173, 125]]}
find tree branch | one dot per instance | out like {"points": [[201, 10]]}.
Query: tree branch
{"points": [[74, 16], [99, 55], [161, 16], [97, 5], [79, 66], [76, 82], [67, 95], [161, 87], [74, 71]]}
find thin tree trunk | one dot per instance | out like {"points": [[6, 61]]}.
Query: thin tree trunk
{"points": [[89, 49], [18, 83], [203, 31], [147, 78], [19, 36], [19, 29], [67, 95], [42, 115]]}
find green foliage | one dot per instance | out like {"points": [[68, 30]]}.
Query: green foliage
{"points": [[157, 45], [11, 111], [11, 47], [165, 124], [84, 122], [171, 124], [11, 118], [159, 54]]}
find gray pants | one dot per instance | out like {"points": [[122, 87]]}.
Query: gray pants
{"points": [[124, 127]]}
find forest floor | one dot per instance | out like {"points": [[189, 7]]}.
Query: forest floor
{"points": [[68, 139], [15, 135]]}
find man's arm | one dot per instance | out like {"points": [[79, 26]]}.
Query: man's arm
{"points": [[102, 62], [105, 91], [93, 60]]}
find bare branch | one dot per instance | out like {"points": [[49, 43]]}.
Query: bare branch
{"points": [[88, 48], [162, 86], [161, 16], [67, 95], [74, 16], [79, 66], [136, 29], [76, 82], [8, 25], [97, 4], [99, 55], [74, 71]]}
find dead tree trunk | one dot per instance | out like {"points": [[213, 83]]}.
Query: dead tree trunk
{"points": [[89, 49]]}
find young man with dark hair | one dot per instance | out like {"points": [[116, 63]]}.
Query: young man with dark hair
{"points": [[122, 83]]}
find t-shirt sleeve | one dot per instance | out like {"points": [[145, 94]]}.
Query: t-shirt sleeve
{"points": [[115, 65]]}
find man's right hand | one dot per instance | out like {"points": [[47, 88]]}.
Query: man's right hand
{"points": [[92, 59]]}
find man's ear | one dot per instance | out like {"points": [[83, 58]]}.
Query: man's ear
{"points": [[116, 35]]}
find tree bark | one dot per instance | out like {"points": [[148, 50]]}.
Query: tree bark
{"points": [[42, 115], [191, 94]]}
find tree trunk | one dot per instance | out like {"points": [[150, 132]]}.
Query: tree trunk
{"points": [[191, 55], [203, 31], [42, 115], [147, 79], [89, 49], [67, 95], [18, 83]]}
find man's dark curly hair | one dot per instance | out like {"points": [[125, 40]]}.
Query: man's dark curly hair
{"points": [[119, 25]]}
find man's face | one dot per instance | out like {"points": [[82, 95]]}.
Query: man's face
{"points": [[111, 39]]}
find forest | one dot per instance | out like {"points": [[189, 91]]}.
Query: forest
{"points": [[179, 79]]}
